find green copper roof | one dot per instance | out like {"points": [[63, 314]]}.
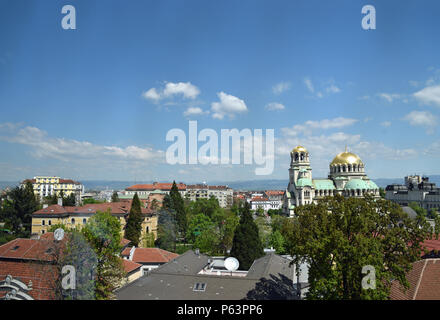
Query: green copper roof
{"points": [[303, 170], [357, 184], [324, 184], [372, 185], [304, 182], [287, 194]]}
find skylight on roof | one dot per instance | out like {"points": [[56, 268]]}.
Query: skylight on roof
{"points": [[15, 248], [200, 287]]}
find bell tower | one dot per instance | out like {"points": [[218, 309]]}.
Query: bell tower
{"points": [[299, 164]]}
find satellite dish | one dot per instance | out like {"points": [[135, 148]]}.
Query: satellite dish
{"points": [[231, 264], [58, 234]]}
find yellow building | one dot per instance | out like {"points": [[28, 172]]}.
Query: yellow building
{"points": [[77, 217], [48, 186]]}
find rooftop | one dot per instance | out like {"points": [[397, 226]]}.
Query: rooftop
{"points": [[270, 277]]}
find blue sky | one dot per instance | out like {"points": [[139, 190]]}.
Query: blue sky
{"points": [[98, 101]]}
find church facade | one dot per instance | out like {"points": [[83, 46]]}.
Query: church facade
{"points": [[347, 177]]}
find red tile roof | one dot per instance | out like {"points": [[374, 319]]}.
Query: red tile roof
{"points": [[274, 192], [150, 255], [430, 245], [256, 199], [124, 242], [27, 249], [155, 186], [130, 266], [424, 280], [121, 207], [41, 275]]}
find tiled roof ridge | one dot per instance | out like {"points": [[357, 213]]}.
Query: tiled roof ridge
{"points": [[419, 280]]}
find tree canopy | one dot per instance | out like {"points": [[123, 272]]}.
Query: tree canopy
{"points": [[133, 226], [339, 236], [246, 245], [17, 210]]}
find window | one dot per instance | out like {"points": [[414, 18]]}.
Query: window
{"points": [[43, 222], [199, 286], [49, 222], [72, 221], [147, 229], [84, 221]]}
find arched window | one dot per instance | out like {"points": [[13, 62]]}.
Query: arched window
{"points": [[49, 222], [43, 222], [147, 230], [72, 221], [84, 221]]}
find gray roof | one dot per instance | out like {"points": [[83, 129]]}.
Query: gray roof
{"points": [[411, 213], [270, 277]]}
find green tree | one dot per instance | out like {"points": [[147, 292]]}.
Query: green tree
{"points": [[154, 205], [264, 230], [166, 230], [133, 227], [199, 224], [70, 200], [227, 229], [102, 232], [18, 208], [115, 197], [382, 193], [338, 237], [148, 240], [177, 204], [276, 241], [246, 245]]}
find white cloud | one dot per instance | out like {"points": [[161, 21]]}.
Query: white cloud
{"points": [[186, 89], [429, 95], [333, 89], [194, 111], [366, 97], [228, 106], [275, 106], [325, 124], [281, 87], [390, 97], [44, 146], [309, 84], [386, 124], [423, 119]]}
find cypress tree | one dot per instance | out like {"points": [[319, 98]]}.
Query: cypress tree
{"points": [[246, 245], [133, 227], [178, 206]]}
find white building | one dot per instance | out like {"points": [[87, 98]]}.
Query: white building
{"points": [[260, 203], [48, 186], [416, 189]]}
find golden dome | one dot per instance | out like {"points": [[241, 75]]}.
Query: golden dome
{"points": [[300, 149], [346, 158]]}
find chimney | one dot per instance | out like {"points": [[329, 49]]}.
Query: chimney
{"points": [[60, 201], [45, 206]]}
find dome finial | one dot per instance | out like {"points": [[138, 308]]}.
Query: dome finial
{"points": [[345, 148]]}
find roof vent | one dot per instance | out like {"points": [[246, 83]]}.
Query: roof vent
{"points": [[15, 248]]}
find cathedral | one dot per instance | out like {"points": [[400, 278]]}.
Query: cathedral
{"points": [[347, 177]]}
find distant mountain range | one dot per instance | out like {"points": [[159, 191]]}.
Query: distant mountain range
{"points": [[269, 184]]}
